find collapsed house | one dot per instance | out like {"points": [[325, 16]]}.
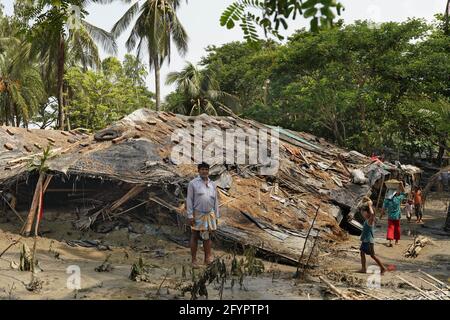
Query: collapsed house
{"points": [[130, 164]]}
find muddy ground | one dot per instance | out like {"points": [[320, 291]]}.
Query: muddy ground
{"points": [[165, 250]]}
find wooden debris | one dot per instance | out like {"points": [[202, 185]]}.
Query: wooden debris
{"points": [[138, 127], [25, 258], [9, 146], [335, 290], [27, 148], [38, 146], [51, 139], [442, 284], [119, 139], [423, 293], [151, 122], [417, 245], [365, 293], [64, 133], [162, 117], [9, 132]]}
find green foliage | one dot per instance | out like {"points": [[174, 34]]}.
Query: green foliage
{"points": [[362, 85], [275, 13], [98, 98], [197, 92], [218, 272], [156, 28]]}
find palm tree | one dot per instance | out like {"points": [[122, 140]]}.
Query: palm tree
{"points": [[200, 91], [21, 86], [59, 33], [156, 27]]}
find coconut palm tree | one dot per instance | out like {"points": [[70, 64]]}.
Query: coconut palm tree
{"points": [[60, 32], [200, 92], [21, 86], [156, 27]]}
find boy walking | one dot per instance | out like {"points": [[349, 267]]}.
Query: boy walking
{"points": [[367, 238]]}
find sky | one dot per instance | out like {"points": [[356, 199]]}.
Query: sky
{"points": [[201, 21]]}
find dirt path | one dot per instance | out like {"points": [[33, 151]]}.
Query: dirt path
{"points": [[337, 263]]}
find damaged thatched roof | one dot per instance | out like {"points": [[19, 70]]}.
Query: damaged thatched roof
{"points": [[270, 212]]}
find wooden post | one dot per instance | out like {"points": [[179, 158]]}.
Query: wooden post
{"points": [[26, 230]]}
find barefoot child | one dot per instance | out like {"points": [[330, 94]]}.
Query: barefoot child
{"points": [[409, 209], [367, 238]]}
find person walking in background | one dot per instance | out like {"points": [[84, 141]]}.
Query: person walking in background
{"points": [[418, 204], [392, 206]]}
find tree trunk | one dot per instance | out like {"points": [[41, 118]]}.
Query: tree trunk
{"points": [[60, 94], [446, 18], [158, 84], [442, 149]]}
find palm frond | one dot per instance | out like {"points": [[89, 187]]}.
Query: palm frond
{"points": [[105, 38]]}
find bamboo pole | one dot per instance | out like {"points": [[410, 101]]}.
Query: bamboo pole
{"points": [[306, 239], [434, 286], [437, 280], [423, 293], [26, 229], [36, 228]]}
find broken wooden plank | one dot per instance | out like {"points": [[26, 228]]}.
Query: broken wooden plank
{"points": [[27, 148], [9, 146], [38, 146], [9, 132], [51, 140]]}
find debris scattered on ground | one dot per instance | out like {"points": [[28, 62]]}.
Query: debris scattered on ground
{"points": [[35, 285], [26, 259], [105, 266], [140, 271], [417, 245], [89, 244]]}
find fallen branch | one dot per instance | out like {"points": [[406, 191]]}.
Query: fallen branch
{"points": [[12, 244], [334, 289], [12, 208]]}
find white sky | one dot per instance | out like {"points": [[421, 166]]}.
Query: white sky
{"points": [[201, 20]]}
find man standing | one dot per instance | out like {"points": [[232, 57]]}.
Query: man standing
{"points": [[392, 205], [203, 212]]}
